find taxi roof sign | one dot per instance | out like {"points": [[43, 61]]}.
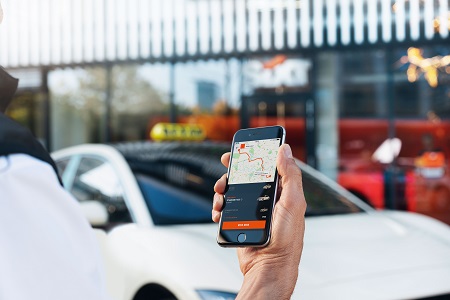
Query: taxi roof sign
{"points": [[177, 132]]}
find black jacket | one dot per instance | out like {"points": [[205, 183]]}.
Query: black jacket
{"points": [[16, 139]]}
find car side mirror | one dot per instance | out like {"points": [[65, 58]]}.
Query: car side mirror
{"points": [[95, 212]]}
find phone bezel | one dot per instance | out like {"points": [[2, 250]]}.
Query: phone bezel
{"points": [[252, 134]]}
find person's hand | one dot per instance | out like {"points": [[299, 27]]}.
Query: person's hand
{"points": [[271, 272]]}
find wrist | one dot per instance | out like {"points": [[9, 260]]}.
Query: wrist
{"points": [[269, 280]]}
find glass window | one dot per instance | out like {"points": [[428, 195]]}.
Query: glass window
{"points": [[360, 62], [287, 110], [203, 87], [207, 93], [422, 81], [362, 80], [323, 200], [176, 179], [440, 98], [96, 180], [413, 81], [171, 205], [140, 96], [78, 101], [406, 99], [176, 182], [358, 101]]}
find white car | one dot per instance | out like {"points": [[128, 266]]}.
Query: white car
{"points": [[153, 202]]}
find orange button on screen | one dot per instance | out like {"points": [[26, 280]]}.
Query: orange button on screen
{"points": [[244, 225]]}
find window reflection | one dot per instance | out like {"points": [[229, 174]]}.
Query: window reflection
{"points": [[96, 180]]}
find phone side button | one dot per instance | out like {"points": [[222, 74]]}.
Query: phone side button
{"points": [[242, 237]]}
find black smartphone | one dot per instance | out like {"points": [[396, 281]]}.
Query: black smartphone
{"points": [[251, 189]]}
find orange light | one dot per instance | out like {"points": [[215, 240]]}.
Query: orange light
{"points": [[428, 66]]}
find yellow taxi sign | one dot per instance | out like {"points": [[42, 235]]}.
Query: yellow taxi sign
{"points": [[177, 132]]}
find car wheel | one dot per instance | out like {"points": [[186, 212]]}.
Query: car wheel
{"points": [[154, 292]]}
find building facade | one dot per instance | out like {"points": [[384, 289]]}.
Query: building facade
{"points": [[314, 66]]}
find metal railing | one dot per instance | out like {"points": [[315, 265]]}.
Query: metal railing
{"points": [[46, 33]]}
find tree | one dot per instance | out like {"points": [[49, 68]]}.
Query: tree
{"points": [[134, 101]]}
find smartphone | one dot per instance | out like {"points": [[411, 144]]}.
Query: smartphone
{"points": [[251, 190]]}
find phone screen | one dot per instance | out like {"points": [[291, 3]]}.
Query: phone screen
{"points": [[251, 190]]}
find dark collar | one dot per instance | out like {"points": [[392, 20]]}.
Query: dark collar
{"points": [[8, 87], [16, 139]]}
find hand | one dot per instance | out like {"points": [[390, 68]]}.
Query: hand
{"points": [[271, 272]]}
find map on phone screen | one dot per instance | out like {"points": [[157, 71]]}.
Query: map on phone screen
{"points": [[254, 161]]}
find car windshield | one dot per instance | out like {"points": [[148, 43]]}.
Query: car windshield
{"points": [[177, 182]]}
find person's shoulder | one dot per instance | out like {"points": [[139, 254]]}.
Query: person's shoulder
{"points": [[17, 139], [11, 132]]}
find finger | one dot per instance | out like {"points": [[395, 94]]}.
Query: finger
{"points": [[215, 216], [217, 207], [221, 184], [285, 162], [218, 202], [225, 159], [292, 196]]}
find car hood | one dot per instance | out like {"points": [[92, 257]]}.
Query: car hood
{"points": [[383, 255], [186, 254]]}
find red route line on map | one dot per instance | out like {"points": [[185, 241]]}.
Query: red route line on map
{"points": [[250, 160]]}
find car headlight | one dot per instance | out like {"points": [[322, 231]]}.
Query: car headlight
{"points": [[216, 295]]}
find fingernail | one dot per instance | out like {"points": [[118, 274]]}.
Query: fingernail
{"points": [[287, 151]]}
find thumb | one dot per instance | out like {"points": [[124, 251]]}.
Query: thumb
{"points": [[291, 179], [286, 164]]}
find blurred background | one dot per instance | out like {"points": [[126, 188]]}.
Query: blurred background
{"points": [[362, 87]]}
